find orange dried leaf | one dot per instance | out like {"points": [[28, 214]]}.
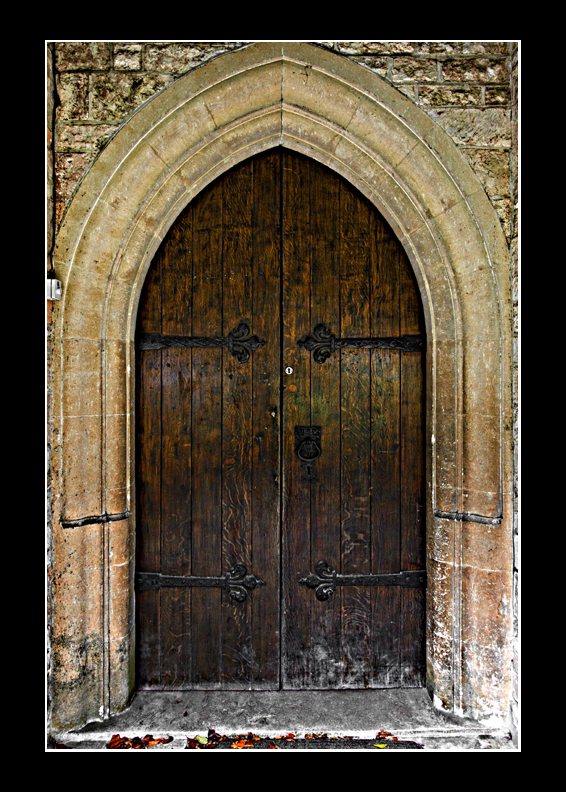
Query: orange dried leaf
{"points": [[119, 742]]}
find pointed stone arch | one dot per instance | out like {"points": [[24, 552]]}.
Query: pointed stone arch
{"points": [[323, 105]]}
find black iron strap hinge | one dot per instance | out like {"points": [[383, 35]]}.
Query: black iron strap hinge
{"points": [[236, 581], [322, 343], [325, 580], [240, 342]]}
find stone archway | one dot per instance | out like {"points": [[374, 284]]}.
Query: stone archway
{"points": [[315, 102]]}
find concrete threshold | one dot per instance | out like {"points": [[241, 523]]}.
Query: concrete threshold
{"points": [[407, 714]]}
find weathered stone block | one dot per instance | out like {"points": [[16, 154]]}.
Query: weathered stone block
{"points": [[492, 168], [486, 655], [474, 70], [72, 92], [83, 137], [116, 95], [72, 56], [414, 70], [81, 391], [127, 56], [479, 126], [453, 95], [69, 169], [486, 547], [497, 95]]}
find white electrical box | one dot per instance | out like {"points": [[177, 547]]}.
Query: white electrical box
{"points": [[54, 289]]}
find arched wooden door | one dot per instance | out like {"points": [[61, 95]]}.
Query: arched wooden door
{"points": [[280, 437]]}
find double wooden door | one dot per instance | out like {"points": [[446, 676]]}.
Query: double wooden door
{"points": [[280, 465]]}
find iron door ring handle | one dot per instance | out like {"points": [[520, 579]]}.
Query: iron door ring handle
{"points": [[310, 442]]}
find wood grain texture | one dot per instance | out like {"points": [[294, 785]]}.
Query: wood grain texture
{"points": [[295, 539], [325, 622], [266, 420], [355, 292]]}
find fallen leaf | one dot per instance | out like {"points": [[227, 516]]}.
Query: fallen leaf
{"points": [[118, 742], [136, 743], [380, 746], [242, 744], [273, 747], [57, 745]]}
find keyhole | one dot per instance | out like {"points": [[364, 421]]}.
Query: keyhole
{"points": [[288, 370]]}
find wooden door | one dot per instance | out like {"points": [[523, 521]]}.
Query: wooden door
{"points": [[273, 434]]}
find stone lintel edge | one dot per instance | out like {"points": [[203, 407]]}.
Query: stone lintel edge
{"points": [[468, 517], [93, 520]]}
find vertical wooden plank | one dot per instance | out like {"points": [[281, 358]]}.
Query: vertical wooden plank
{"points": [[295, 538], [325, 646], [236, 422], [176, 289], [355, 433], [385, 458], [148, 491], [412, 481], [206, 498], [266, 419]]}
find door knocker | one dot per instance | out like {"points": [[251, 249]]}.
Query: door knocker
{"points": [[308, 449]]}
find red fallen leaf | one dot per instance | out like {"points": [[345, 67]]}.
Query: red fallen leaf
{"points": [[185, 714], [179, 701], [57, 745], [273, 747]]}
